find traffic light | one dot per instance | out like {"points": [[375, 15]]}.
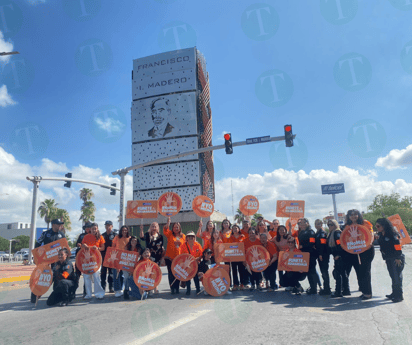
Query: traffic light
{"points": [[228, 143], [113, 191], [288, 136], [68, 184]]}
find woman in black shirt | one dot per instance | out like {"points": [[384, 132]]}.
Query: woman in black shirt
{"points": [[208, 261], [154, 241]]}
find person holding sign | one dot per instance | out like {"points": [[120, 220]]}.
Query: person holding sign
{"points": [[192, 247], [237, 267], [292, 279], [273, 228], [255, 278], [321, 245], [245, 228], [135, 291], [87, 230], [120, 242], [391, 249], [214, 239], [108, 236], [208, 261], [51, 235], [175, 239], [134, 247], [363, 262], [281, 243], [263, 229], [226, 231], [97, 241], [270, 272], [64, 281], [306, 238], [207, 234], [340, 256], [154, 241]]}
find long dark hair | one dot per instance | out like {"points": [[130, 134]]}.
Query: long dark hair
{"points": [[230, 224], [388, 227], [278, 234], [129, 244], [180, 229], [121, 231], [360, 218], [307, 222], [97, 235], [212, 239]]}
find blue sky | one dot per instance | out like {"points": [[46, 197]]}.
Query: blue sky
{"points": [[342, 73]]}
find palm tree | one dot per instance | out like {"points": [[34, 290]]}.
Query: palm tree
{"points": [[88, 209], [86, 194], [64, 216], [239, 216], [254, 219], [47, 210]]}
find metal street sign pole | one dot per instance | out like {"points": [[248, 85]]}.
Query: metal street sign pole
{"points": [[123, 172], [334, 207], [36, 181]]}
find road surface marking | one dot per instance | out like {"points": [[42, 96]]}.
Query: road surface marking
{"points": [[169, 328]]}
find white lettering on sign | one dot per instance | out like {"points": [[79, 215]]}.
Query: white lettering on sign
{"points": [[206, 207], [252, 205]]}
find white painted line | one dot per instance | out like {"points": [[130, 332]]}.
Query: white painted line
{"points": [[169, 328]]}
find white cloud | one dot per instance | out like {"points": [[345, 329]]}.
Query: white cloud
{"points": [[5, 98], [221, 137], [360, 189], [5, 47], [35, 2], [396, 159], [109, 125]]}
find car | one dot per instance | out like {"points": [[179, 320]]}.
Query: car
{"points": [[4, 255], [73, 253], [20, 254]]}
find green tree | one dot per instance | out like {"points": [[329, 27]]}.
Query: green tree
{"points": [[88, 209], [64, 216], [239, 216], [23, 243], [47, 210], [4, 245], [254, 222], [388, 205]]}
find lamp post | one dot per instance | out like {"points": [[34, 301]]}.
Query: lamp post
{"points": [[17, 241]]}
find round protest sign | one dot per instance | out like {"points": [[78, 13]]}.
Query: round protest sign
{"points": [[184, 267], [216, 281], [356, 239], [257, 257], [89, 260], [147, 275], [170, 204], [41, 279], [202, 206], [249, 205], [293, 224]]}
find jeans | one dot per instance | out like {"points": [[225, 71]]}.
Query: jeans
{"points": [[395, 273], [117, 280], [126, 276], [134, 290]]}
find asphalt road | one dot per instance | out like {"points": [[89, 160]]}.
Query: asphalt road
{"points": [[240, 318]]}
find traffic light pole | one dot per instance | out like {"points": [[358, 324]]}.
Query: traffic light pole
{"points": [[36, 181], [123, 172]]}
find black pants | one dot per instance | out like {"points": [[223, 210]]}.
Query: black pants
{"points": [[395, 273], [312, 274], [197, 284], [255, 278], [238, 273], [324, 270], [175, 285], [270, 274], [62, 292], [292, 279], [365, 276], [341, 276], [246, 276], [106, 272]]}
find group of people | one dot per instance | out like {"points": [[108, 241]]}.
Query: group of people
{"points": [[271, 235]]}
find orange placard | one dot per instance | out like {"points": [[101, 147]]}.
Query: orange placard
{"points": [[249, 205], [356, 238], [48, 253], [147, 275], [216, 281], [111, 257], [290, 208], [41, 279], [170, 204], [141, 209], [122, 260], [184, 267], [88, 261], [293, 224], [257, 257], [293, 261], [229, 252], [400, 227], [203, 206]]}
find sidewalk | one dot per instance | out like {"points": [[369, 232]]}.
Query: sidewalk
{"points": [[14, 272]]}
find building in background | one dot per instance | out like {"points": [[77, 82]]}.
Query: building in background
{"points": [[171, 114], [12, 230]]}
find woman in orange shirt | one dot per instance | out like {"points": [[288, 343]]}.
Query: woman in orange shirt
{"points": [[132, 246], [175, 238], [192, 247], [292, 279], [214, 239], [207, 234], [281, 242], [120, 242], [237, 267], [93, 240], [226, 231]]}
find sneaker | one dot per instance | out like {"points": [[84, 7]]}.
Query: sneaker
{"points": [[235, 288], [389, 296], [248, 286], [364, 297], [312, 292], [397, 299], [346, 293], [87, 297], [118, 293], [324, 292], [241, 287], [276, 287], [336, 295], [288, 288], [100, 298], [252, 288], [111, 290]]}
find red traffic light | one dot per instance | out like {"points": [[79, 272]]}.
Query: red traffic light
{"points": [[288, 128], [227, 136]]}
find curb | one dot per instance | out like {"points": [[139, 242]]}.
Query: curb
{"points": [[14, 279]]}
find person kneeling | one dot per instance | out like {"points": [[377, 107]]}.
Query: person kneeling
{"points": [[64, 280]]}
